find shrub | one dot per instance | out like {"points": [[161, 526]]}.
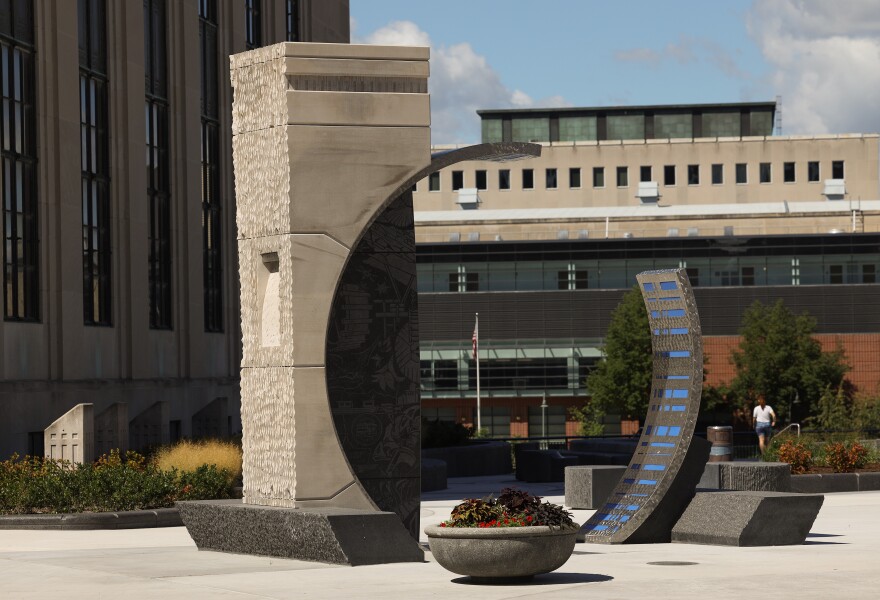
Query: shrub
{"points": [[513, 508], [113, 483], [188, 456], [846, 458], [797, 455]]}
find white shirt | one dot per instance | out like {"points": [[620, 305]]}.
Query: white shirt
{"points": [[762, 415]]}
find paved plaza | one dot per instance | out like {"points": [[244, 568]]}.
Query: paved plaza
{"points": [[839, 561]]}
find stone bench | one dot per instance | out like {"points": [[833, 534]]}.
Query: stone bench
{"points": [[542, 466], [590, 486], [747, 476], [747, 518], [433, 475]]}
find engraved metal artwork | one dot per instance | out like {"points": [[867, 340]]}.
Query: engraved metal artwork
{"points": [[674, 404]]}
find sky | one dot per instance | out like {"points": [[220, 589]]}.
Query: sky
{"points": [[821, 56]]}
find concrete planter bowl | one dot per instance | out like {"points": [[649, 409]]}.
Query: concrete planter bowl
{"points": [[501, 554]]}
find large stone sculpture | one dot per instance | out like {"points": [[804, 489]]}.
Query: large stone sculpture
{"points": [[328, 141], [668, 461]]}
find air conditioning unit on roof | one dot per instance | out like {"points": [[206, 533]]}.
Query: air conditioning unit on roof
{"points": [[835, 189], [648, 192]]}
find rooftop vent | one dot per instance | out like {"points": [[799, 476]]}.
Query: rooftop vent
{"points": [[562, 234], [455, 237], [474, 236], [583, 234], [693, 232], [672, 232]]}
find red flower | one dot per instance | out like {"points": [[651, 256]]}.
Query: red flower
{"points": [[529, 518]]}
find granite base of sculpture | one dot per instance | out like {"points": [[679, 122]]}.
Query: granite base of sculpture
{"points": [[668, 462], [748, 518], [328, 141]]}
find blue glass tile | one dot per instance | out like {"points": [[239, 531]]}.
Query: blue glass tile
{"points": [[679, 408], [662, 430], [678, 377], [647, 482], [636, 466], [679, 393], [675, 312], [648, 429], [639, 495], [633, 507], [679, 354], [649, 287], [679, 331], [654, 468], [668, 285], [662, 445], [624, 518], [599, 527], [655, 314], [675, 430], [629, 480]]}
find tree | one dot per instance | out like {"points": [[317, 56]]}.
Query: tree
{"points": [[621, 383], [779, 359]]}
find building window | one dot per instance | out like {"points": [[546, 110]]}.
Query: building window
{"points": [[788, 172], [457, 180], [434, 182], [813, 171], [573, 279], [835, 274], [748, 276], [528, 179], [292, 18], [645, 173], [837, 169], [742, 175], [574, 177], [94, 161], [717, 174], [253, 29], [481, 180], [598, 177], [764, 173], [212, 273], [669, 175], [504, 179], [158, 175], [693, 174], [550, 179], [869, 274], [622, 177], [18, 152], [463, 281], [693, 274]]}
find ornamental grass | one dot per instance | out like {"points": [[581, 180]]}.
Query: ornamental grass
{"points": [[188, 455]]}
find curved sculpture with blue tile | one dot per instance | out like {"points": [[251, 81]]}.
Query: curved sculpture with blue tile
{"points": [[655, 473]]}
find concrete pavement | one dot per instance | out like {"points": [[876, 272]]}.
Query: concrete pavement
{"points": [[841, 559]]}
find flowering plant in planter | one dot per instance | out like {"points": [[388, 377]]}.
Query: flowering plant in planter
{"points": [[512, 537], [513, 508]]}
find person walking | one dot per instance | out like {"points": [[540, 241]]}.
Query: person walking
{"points": [[763, 420]]}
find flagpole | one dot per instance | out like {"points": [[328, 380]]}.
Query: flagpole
{"points": [[477, 357]]}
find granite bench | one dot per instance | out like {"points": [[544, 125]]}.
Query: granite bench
{"points": [[747, 476], [590, 486]]}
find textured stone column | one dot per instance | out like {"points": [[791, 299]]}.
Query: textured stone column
{"points": [[323, 136]]}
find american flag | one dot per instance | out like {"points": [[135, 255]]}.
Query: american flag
{"points": [[475, 337]]}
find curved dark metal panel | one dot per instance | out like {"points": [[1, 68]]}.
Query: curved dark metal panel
{"points": [[372, 351], [672, 412]]}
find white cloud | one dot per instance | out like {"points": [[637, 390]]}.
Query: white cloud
{"points": [[825, 60], [461, 82]]}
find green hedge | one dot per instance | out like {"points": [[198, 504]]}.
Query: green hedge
{"points": [[34, 485]]}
